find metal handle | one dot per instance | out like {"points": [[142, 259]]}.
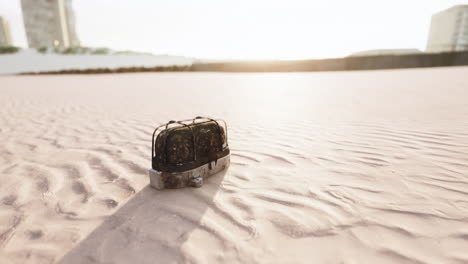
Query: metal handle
{"points": [[153, 152]]}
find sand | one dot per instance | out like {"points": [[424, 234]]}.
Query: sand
{"points": [[350, 167]]}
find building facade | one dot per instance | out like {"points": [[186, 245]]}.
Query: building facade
{"points": [[449, 30], [5, 37], [49, 23]]}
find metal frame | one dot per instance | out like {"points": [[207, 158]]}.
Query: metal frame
{"points": [[182, 124]]}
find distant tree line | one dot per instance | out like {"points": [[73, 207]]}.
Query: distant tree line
{"points": [[377, 62], [74, 50], [85, 50], [71, 51], [9, 49]]}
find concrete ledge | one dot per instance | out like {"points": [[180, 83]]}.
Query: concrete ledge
{"points": [[192, 178]]}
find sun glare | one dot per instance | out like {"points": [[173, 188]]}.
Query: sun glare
{"points": [[247, 29]]}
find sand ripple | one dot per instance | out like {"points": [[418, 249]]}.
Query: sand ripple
{"points": [[326, 168]]}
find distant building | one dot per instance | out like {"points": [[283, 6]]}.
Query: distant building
{"points": [[5, 37], [449, 30], [49, 23], [385, 52]]}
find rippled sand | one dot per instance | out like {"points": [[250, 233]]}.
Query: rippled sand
{"points": [[353, 167]]}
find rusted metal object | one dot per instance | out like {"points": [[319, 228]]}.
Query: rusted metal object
{"points": [[185, 152]]}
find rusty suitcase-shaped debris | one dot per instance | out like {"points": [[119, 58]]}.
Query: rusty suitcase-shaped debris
{"points": [[186, 152]]}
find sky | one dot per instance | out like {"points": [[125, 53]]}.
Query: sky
{"points": [[247, 29]]}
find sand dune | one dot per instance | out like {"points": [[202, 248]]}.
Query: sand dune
{"points": [[351, 167]]}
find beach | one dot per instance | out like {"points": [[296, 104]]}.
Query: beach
{"points": [[330, 167]]}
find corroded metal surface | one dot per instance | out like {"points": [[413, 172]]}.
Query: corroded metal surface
{"points": [[186, 148]]}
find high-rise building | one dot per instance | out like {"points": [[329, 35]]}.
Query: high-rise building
{"points": [[49, 23], [449, 30], [5, 37]]}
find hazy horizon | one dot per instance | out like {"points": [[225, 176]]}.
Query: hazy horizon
{"points": [[243, 29]]}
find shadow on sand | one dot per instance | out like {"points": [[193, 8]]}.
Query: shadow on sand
{"points": [[150, 228]]}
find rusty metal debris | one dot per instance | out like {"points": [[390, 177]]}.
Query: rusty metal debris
{"points": [[186, 152]]}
